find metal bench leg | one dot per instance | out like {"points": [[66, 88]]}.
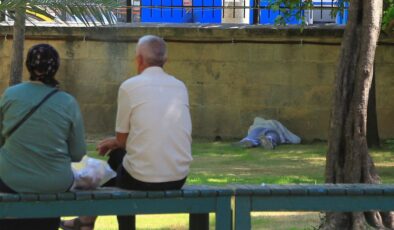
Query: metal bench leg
{"points": [[242, 213], [199, 221]]}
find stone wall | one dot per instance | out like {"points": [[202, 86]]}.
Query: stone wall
{"points": [[233, 73]]}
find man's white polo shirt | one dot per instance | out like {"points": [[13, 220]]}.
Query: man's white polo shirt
{"points": [[153, 108]]}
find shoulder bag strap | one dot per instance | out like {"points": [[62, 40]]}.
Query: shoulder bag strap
{"points": [[7, 135]]}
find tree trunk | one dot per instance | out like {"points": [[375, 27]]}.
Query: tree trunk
{"points": [[347, 159], [373, 139], [17, 47], [129, 14], [256, 12]]}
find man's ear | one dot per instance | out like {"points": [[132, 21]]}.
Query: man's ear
{"points": [[164, 61], [140, 63], [139, 59]]}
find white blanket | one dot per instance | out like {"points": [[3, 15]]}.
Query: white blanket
{"points": [[285, 135]]}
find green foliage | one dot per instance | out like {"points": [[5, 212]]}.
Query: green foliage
{"points": [[86, 11], [388, 16], [290, 9], [340, 6], [295, 9]]}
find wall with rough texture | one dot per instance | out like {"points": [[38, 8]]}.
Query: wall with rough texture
{"points": [[233, 73]]}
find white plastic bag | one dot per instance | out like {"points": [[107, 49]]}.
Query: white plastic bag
{"points": [[91, 173]]}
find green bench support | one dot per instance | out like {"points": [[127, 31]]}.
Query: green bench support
{"points": [[198, 201], [324, 197]]}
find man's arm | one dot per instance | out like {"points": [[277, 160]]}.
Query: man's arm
{"points": [[122, 125], [111, 143], [122, 139]]}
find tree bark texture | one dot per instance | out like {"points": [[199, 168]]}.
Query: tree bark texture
{"points": [[17, 47], [347, 159]]}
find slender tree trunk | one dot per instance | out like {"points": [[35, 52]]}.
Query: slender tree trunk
{"points": [[17, 47], [256, 12], [347, 159], [373, 139], [129, 15]]}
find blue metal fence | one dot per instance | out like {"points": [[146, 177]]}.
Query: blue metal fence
{"points": [[214, 11], [229, 11], [341, 15], [174, 11]]}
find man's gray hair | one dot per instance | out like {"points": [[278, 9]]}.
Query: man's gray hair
{"points": [[153, 50]]}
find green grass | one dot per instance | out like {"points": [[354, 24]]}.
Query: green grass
{"points": [[229, 165], [220, 163]]}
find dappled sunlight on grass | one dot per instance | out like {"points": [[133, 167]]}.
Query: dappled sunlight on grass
{"points": [[236, 165], [218, 180], [256, 214], [298, 151], [385, 164], [285, 220], [221, 164], [384, 161], [243, 179]]}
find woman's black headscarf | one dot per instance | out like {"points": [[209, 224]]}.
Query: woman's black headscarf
{"points": [[43, 61]]}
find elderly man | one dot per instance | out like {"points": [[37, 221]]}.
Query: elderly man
{"points": [[152, 147]]}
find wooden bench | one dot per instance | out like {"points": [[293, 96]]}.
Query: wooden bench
{"points": [[324, 197], [199, 201]]}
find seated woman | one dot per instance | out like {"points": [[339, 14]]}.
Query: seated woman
{"points": [[38, 146]]}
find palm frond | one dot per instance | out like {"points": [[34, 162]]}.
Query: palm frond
{"points": [[86, 11]]}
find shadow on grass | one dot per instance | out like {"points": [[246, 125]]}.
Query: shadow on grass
{"points": [[221, 163]]}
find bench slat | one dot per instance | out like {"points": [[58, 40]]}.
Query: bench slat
{"points": [[126, 206], [137, 194], [298, 190], [388, 191], [198, 201], [66, 196], [336, 191], [208, 193], [315, 191], [9, 197], [29, 197], [156, 194], [102, 195], [84, 195], [355, 191], [173, 193], [323, 197], [122, 195], [191, 193], [47, 197]]}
